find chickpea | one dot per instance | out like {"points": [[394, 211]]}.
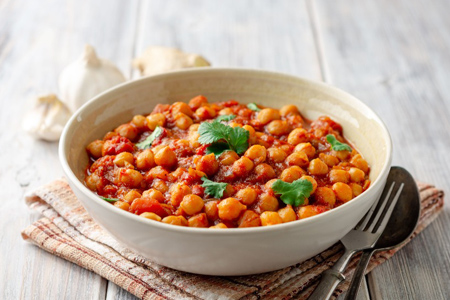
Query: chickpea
{"points": [[205, 113], [95, 148], [166, 158], [266, 115], [175, 175], [234, 124], [325, 196], [297, 136], [264, 172], [317, 167], [139, 121], [211, 210], [298, 159], [356, 189], [356, 175], [343, 191], [268, 203], [225, 111], [155, 120], [150, 216], [228, 158], [278, 127], [197, 102], [131, 195], [312, 180], [157, 148], [183, 121], [330, 160], [219, 226], [154, 194], [256, 153], [310, 210], [194, 127], [360, 163], [93, 182], [160, 186], [175, 220], [122, 205], [268, 185], [229, 191], [342, 155], [366, 184], [193, 139], [291, 174], [307, 148], [247, 195], [145, 160], [269, 218], [276, 155], [127, 130], [129, 177], [157, 173], [181, 107], [289, 110], [122, 158], [287, 214], [207, 164], [337, 175], [242, 166], [252, 134], [230, 209], [177, 193], [192, 204], [199, 220], [249, 219]]}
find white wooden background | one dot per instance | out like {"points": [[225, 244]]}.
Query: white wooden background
{"points": [[392, 54]]}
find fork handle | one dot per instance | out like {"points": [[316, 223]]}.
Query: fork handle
{"points": [[359, 274], [331, 278]]}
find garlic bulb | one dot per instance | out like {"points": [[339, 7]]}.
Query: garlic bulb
{"points": [[162, 59], [87, 77], [47, 119]]}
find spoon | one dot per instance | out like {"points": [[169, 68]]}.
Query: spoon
{"points": [[401, 225]]}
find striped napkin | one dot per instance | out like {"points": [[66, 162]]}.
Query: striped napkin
{"points": [[68, 231]]}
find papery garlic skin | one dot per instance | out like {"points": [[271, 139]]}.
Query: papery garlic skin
{"points": [[47, 119], [87, 77], [156, 60]]}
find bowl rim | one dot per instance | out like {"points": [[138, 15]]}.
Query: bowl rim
{"points": [[214, 231]]}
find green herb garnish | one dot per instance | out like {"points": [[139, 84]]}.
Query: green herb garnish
{"points": [[253, 106], [293, 193], [223, 137], [225, 118], [112, 200], [336, 145], [214, 189], [147, 143]]}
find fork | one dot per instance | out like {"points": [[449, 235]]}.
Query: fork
{"points": [[363, 236]]}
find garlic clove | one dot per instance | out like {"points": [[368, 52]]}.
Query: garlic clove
{"points": [[87, 77], [47, 119], [156, 60]]}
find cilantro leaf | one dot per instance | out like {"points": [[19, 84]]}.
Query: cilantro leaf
{"points": [[112, 200], [147, 143], [293, 193], [253, 107], [217, 148], [336, 145], [214, 132], [214, 189], [225, 118]]}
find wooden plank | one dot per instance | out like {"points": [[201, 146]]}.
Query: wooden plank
{"points": [[37, 39], [394, 56]]}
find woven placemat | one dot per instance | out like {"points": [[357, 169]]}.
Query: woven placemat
{"points": [[68, 231]]}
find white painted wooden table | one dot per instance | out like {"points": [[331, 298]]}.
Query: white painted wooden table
{"points": [[392, 54]]}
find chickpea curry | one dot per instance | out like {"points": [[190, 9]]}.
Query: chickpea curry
{"points": [[225, 165]]}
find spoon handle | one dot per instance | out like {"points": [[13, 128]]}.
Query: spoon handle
{"points": [[352, 292]]}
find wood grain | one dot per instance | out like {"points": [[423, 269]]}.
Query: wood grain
{"points": [[393, 55]]}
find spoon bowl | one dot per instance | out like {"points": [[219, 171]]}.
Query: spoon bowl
{"points": [[400, 227]]}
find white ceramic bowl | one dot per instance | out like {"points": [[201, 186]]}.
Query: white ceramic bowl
{"points": [[229, 251]]}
